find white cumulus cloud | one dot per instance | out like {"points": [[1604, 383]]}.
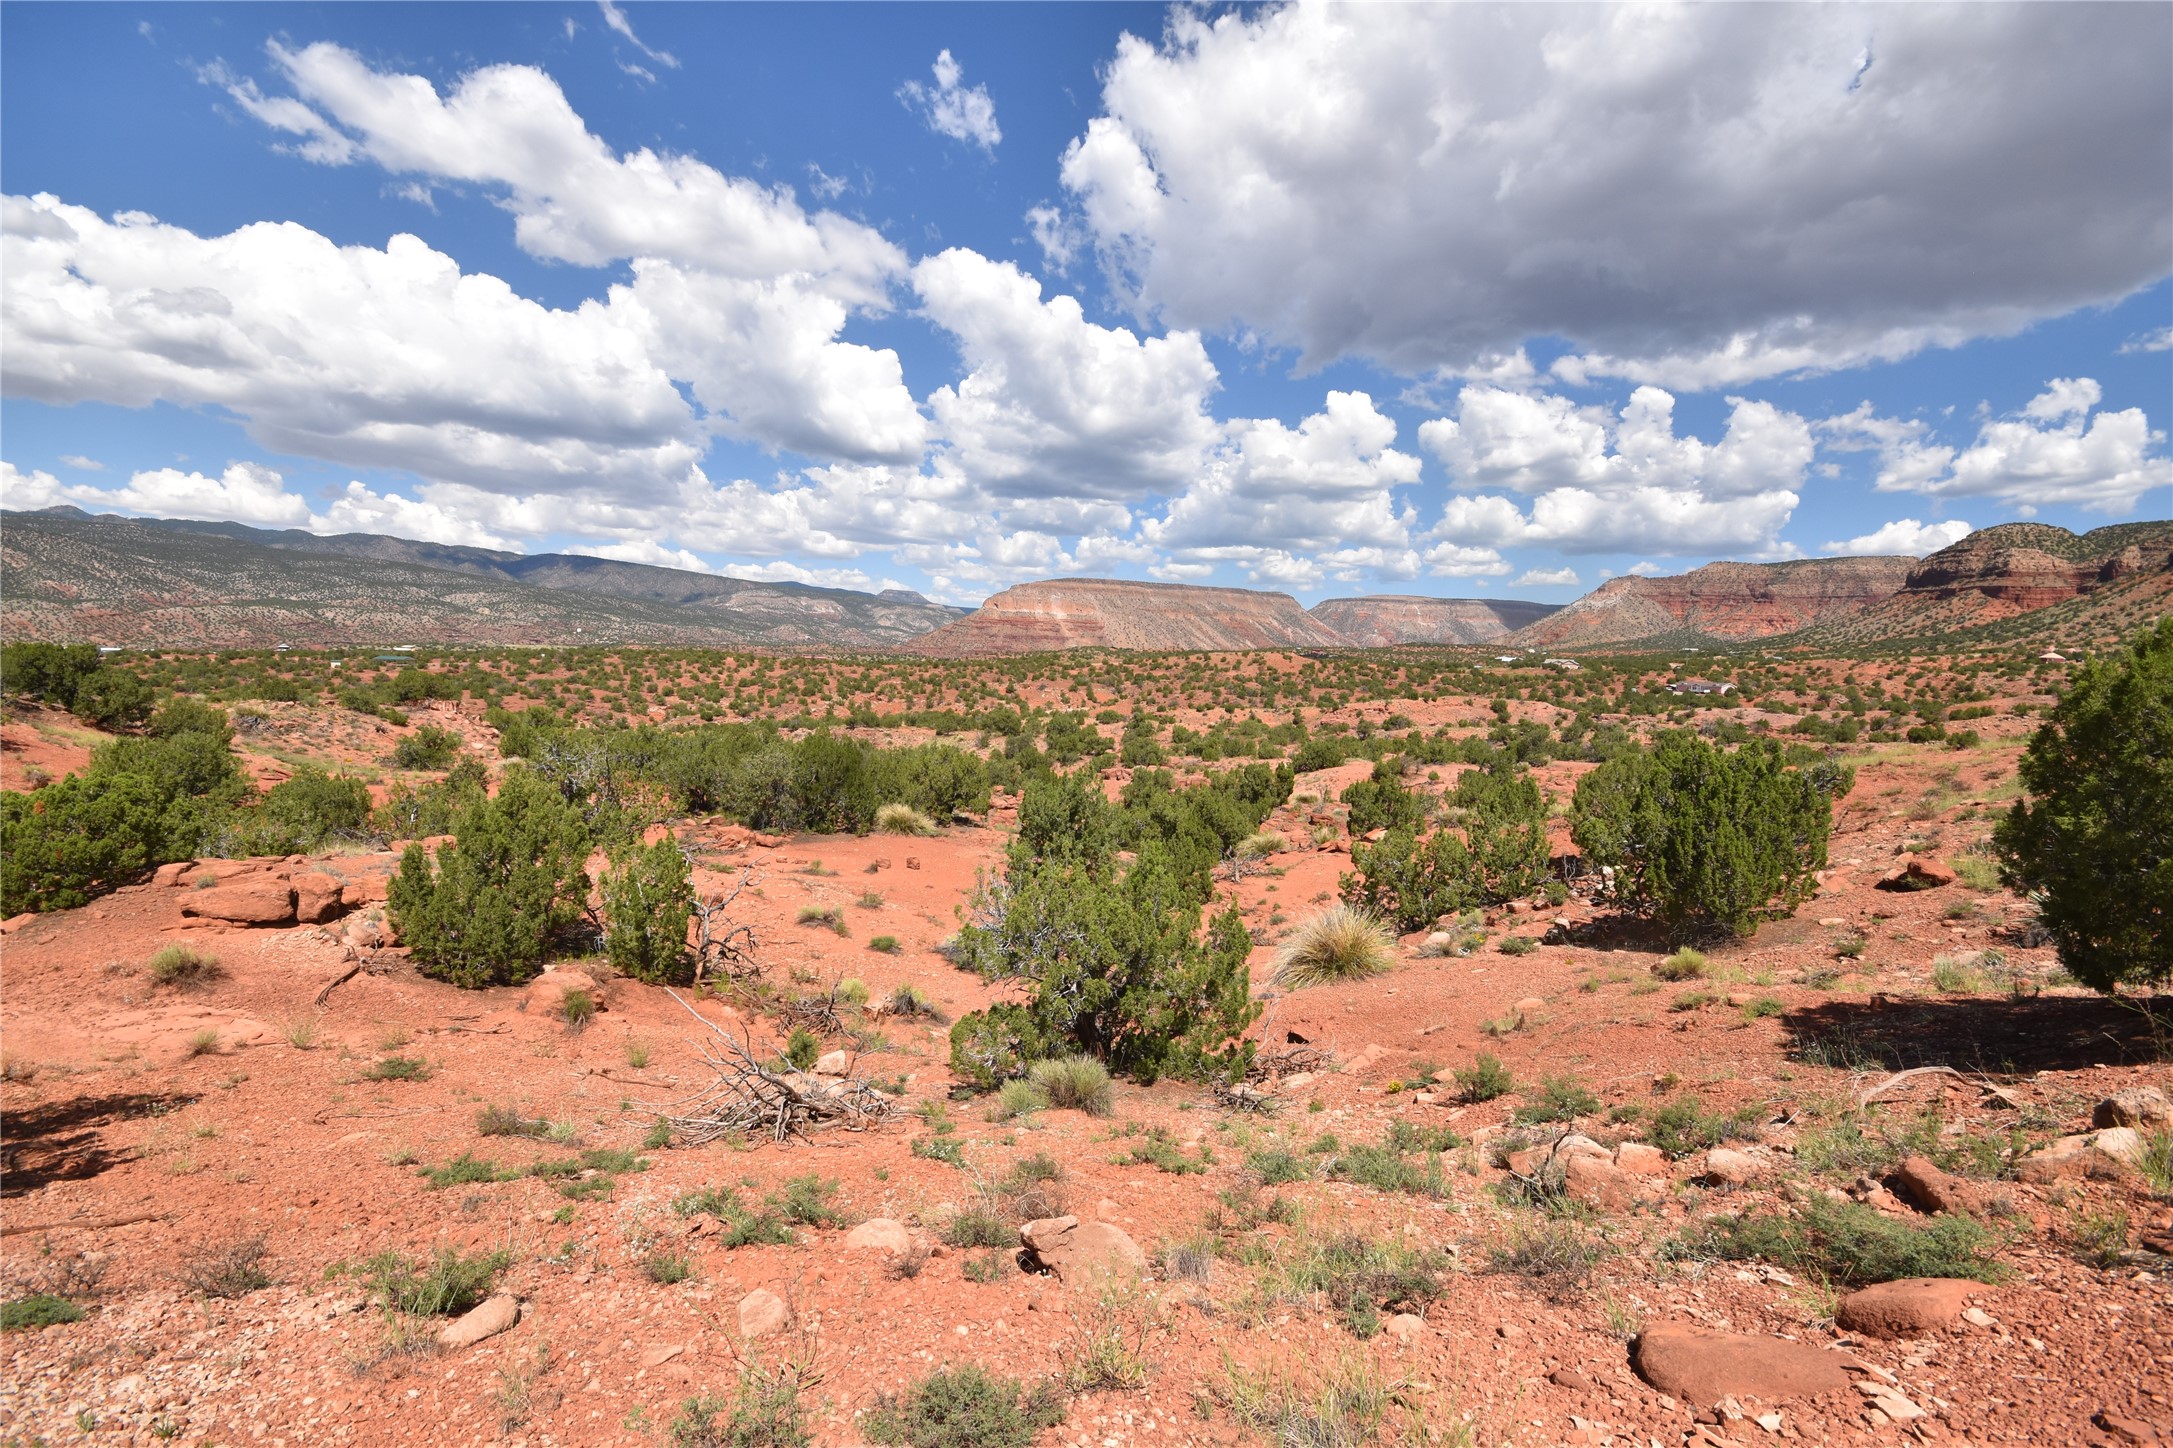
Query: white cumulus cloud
{"points": [[952, 108], [1694, 195], [1903, 536], [1602, 482]]}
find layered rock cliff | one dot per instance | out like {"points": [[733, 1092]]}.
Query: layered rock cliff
{"points": [[1071, 613], [1381, 620], [1721, 601]]}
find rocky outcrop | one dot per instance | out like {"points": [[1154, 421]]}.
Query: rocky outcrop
{"points": [[1702, 1366], [1383, 620], [1720, 601], [1072, 613]]}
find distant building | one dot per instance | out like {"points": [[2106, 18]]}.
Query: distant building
{"points": [[2052, 656], [1505, 658], [1699, 686], [1570, 666]]}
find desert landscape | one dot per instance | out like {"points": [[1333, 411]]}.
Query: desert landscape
{"points": [[1538, 1167]]}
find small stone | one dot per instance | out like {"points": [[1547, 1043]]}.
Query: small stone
{"points": [[1918, 872], [1639, 1159], [1406, 1328], [1570, 1378], [1508, 1331], [762, 1313], [1922, 1184], [487, 1318], [661, 1354], [1529, 1006], [833, 1063], [1978, 1317]]}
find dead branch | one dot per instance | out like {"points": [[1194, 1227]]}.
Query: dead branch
{"points": [[1900, 1077], [721, 946], [750, 1096], [353, 967], [86, 1224]]}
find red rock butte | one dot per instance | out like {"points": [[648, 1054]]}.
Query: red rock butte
{"points": [[1072, 613]]}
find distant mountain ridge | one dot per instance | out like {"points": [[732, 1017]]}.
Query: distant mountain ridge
{"points": [[1071, 613], [1720, 601], [68, 575], [1386, 619]]}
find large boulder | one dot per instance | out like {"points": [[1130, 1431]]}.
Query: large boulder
{"points": [[1911, 1307], [546, 994], [1725, 1166], [250, 900], [880, 1234], [1700, 1365], [2106, 1155], [487, 1318], [1076, 1251], [2143, 1107], [1918, 872], [317, 897]]}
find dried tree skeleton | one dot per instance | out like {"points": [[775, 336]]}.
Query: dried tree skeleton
{"points": [[722, 947], [749, 1096]]}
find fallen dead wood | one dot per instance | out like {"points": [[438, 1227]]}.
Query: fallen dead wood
{"points": [[1903, 1077], [85, 1224], [750, 1096], [354, 968]]}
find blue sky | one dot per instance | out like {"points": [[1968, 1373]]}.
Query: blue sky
{"points": [[1458, 300]]}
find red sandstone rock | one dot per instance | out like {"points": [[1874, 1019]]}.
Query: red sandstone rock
{"points": [[251, 900], [1910, 1307], [1702, 1366]]}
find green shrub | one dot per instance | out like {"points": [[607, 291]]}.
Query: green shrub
{"points": [[1017, 1098], [37, 1309], [964, 1407], [576, 1008], [1339, 944], [1275, 1166], [1385, 1168], [1518, 944], [884, 944], [181, 965], [1557, 1256], [1705, 838], [648, 900], [1075, 1083], [903, 819], [2093, 840], [448, 1284], [1852, 1244], [765, 1412], [506, 1121], [1484, 1079], [1559, 1098], [1380, 801], [427, 748], [50, 673], [1684, 964], [509, 886], [802, 1049], [399, 1068]]}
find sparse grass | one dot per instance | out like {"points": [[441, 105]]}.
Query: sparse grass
{"points": [[886, 944], [964, 1407], [182, 966], [399, 1068], [301, 1032], [1348, 1406], [1260, 845], [765, 1412], [494, 1120], [1106, 1349], [2157, 1162], [1157, 1150], [988, 1267], [1385, 1168], [577, 1008], [1275, 1165], [1977, 872], [448, 1284], [1683, 1126], [463, 1170], [746, 1225], [1518, 944], [829, 916], [2099, 1239], [234, 1270], [1076, 1083], [903, 819], [205, 1042], [1362, 1277], [1484, 1079], [976, 1227], [1953, 976], [1763, 1008], [1851, 946], [1684, 964], [1339, 944], [1558, 1098], [637, 1052], [1557, 1256], [668, 1269]]}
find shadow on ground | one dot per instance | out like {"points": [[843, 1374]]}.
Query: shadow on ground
{"points": [[60, 1140], [2000, 1037]]}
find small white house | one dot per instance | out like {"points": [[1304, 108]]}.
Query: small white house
{"points": [[1699, 686]]}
